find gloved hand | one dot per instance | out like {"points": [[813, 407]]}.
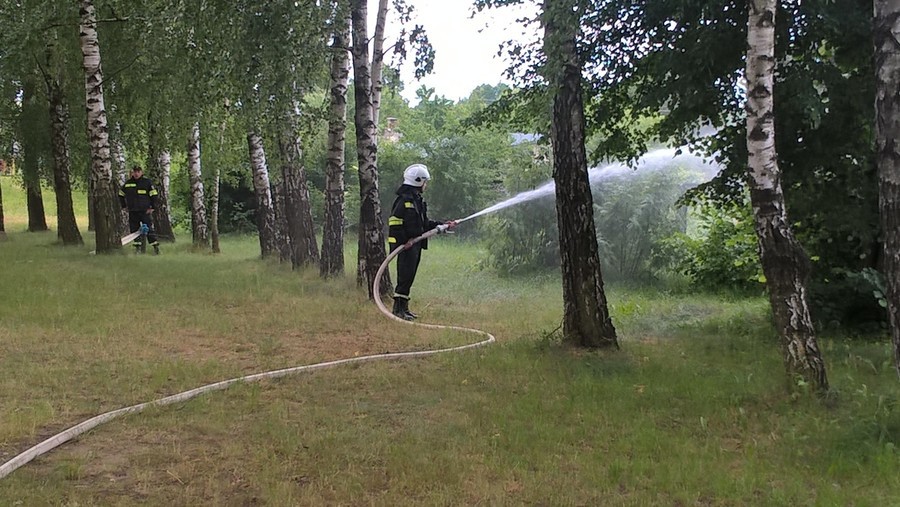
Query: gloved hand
{"points": [[144, 228]]}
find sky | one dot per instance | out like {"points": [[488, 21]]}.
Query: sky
{"points": [[465, 47]]}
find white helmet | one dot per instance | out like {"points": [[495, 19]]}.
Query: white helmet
{"points": [[416, 175]]}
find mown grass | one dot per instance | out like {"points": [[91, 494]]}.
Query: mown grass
{"points": [[692, 411]]}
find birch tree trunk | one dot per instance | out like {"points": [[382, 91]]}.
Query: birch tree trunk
{"points": [[2, 220], [214, 194], [298, 212], [105, 202], [120, 171], [332, 260], [586, 319], [67, 227], [783, 260], [378, 60], [371, 224], [265, 212], [214, 210], [282, 237], [199, 230], [159, 165], [887, 155]]}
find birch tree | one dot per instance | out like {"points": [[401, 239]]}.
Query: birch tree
{"points": [[378, 60], [784, 262], [371, 223], [887, 140], [199, 229], [586, 319], [265, 211], [105, 202], [298, 212], [159, 165], [332, 260], [120, 169], [67, 228]]}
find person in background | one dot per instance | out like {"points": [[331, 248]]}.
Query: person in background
{"points": [[409, 220], [139, 197]]}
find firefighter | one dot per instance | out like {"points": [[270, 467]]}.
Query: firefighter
{"points": [[139, 197], [409, 220]]}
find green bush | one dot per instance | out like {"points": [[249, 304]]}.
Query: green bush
{"points": [[719, 251]]}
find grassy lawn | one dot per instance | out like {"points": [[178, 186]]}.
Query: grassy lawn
{"points": [[692, 411]]}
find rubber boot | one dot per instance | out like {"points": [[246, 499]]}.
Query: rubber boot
{"points": [[410, 314], [401, 307], [155, 248]]}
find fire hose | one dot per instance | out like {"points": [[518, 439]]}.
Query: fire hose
{"points": [[85, 426]]}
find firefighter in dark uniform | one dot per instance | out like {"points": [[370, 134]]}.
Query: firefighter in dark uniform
{"points": [[409, 220], [139, 197]]}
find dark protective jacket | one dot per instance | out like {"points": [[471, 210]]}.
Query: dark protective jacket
{"points": [[409, 218], [138, 194]]}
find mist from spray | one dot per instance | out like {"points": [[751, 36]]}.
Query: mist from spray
{"points": [[652, 161]]}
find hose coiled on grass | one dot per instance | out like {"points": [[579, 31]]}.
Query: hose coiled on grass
{"points": [[83, 427]]}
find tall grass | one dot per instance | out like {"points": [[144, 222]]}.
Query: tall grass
{"points": [[691, 411]]}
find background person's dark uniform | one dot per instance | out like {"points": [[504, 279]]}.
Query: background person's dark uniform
{"points": [[139, 197], [408, 220]]}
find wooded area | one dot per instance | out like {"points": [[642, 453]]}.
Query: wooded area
{"points": [[204, 97]]}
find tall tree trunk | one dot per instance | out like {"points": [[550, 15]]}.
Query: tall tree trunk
{"points": [[332, 260], [159, 164], [265, 212], [106, 208], [371, 223], [199, 230], [214, 211], [378, 60], [2, 220], [783, 260], [34, 200], [298, 212], [67, 227], [120, 170], [214, 196], [586, 320], [31, 177], [887, 139], [282, 236]]}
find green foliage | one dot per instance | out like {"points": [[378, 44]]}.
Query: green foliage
{"points": [[719, 251], [854, 300], [632, 213]]}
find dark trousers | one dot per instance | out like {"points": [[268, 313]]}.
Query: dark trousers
{"points": [[407, 265], [136, 218]]}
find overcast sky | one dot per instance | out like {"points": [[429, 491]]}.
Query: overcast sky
{"points": [[465, 47]]}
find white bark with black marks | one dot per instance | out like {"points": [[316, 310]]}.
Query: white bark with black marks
{"points": [[199, 227], [783, 260], [105, 201], [378, 60], [331, 262], [265, 211], [371, 224]]}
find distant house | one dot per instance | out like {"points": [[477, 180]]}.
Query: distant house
{"points": [[391, 133]]}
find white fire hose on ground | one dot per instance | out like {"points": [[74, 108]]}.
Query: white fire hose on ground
{"points": [[73, 432]]}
